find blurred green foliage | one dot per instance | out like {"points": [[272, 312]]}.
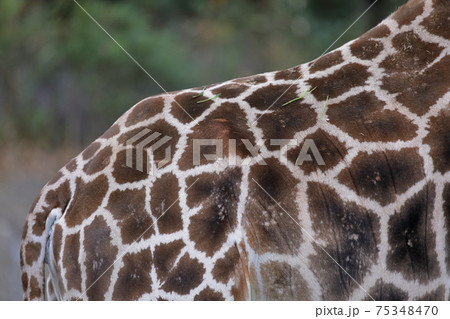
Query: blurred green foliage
{"points": [[62, 80]]}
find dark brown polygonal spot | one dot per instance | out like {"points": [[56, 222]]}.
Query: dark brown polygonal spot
{"points": [[56, 198], [35, 290], [55, 178], [217, 195], [72, 165], [418, 91], [382, 176], [32, 252], [407, 13], [330, 148], [362, 117], [100, 255], [99, 161], [412, 240], [71, 261], [39, 222], [252, 80], [283, 282], [288, 74], [366, 49], [86, 200], [229, 91], [165, 256], [446, 199], [91, 150], [123, 172], [134, 277], [208, 294], [435, 295], [380, 31], [349, 76], [439, 140], [386, 292], [187, 275], [350, 235], [165, 204], [437, 21], [226, 123], [327, 61], [112, 131], [413, 54], [271, 221], [272, 96], [284, 122], [188, 106], [24, 281], [225, 267], [128, 207], [145, 110], [57, 242]]}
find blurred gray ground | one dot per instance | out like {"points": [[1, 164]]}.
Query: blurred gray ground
{"points": [[23, 173]]}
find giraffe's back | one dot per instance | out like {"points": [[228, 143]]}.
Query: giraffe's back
{"points": [[341, 194]]}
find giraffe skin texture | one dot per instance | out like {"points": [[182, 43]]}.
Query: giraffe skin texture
{"points": [[372, 223]]}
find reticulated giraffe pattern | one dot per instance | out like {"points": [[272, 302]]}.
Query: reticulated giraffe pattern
{"points": [[379, 207]]}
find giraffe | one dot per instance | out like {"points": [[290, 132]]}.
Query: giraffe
{"points": [[372, 223]]}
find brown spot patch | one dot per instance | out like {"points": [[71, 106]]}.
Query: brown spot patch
{"points": [[134, 277], [350, 235], [99, 161], [419, 91], [145, 110], [208, 294], [362, 117], [24, 281], [326, 61], [57, 242], [71, 261], [86, 200], [58, 197], [39, 222], [100, 254], [349, 76], [217, 195], [412, 240], [165, 256], [35, 289], [128, 207], [72, 165], [55, 178], [386, 292], [330, 148], [283, 282], [91, 150], [446, 198], [229, 91], [32, 252], [187, 275], [366, 49], [380, 31], [435, 295], [382, 176], [413, 54], [165, 205], [272, 96], [126, 174], [225, 267], [288, 74], [226, 123], [438, 138], [189, 107], [437, 21], [112, 131], [270, 228], [407, 13]]}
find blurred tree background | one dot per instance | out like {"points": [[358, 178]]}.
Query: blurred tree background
{"points": [[64, 82]]}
